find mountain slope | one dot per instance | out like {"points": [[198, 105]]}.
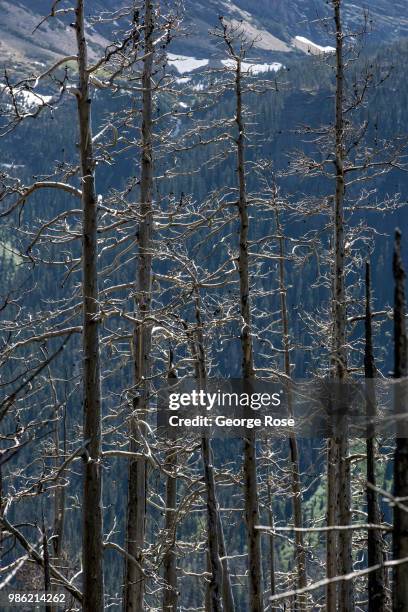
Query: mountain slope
{"points": [[274, 24]]}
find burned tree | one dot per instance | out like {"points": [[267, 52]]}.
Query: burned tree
{"points": [[92, 492], [376, 579], [400, 532], [137, 478], [233, 38]]}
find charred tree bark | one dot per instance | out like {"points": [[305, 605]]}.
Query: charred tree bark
{"points": [[47, 575], [272, 581], [339, 489], [332, 519], [220, 596], [137, 478], [59, 497], [170, 594], [400, 531], [293, 445], [92, 552], [215, 587], [376, 580], [249, 468], [227, 594]]}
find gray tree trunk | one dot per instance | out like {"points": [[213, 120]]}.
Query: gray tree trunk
{"points": [[92, 512], [220, 596], [215, 587], [59, 497], [170, 594], [272, 581], [46, 557], [400, 531], [377, 601], [249, 467], [332, 519], [341, 495], [293, 446], [227, 593], [137, 478]]}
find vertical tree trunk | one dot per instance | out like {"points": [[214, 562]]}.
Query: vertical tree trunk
{"points": [[220, 596], [272, 582], [137, 478], [332, 519], [59, 499], [215, 588], [400, 531], [339, 446], [93, 589], [339, 295], [293, 446], [249, 468], [170, 595], [376, 579], [59, 494], [46, 557], [227, 594], [170, 559]]}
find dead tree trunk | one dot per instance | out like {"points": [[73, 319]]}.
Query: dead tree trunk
{"points": [[249, 468], [231, 36], [339, 496], [400, 531], [59, 495], [46, 557], [376, 579], [215, 588], [92, 551], [293, 446], [272, 581], [137, 478], [170, 594], [332, 519], [227, 594], [220, 595]]}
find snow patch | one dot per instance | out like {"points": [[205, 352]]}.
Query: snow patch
{"points": [[310, 47], [253, 68], [184, 64], [30, 99], [27, 100]]}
